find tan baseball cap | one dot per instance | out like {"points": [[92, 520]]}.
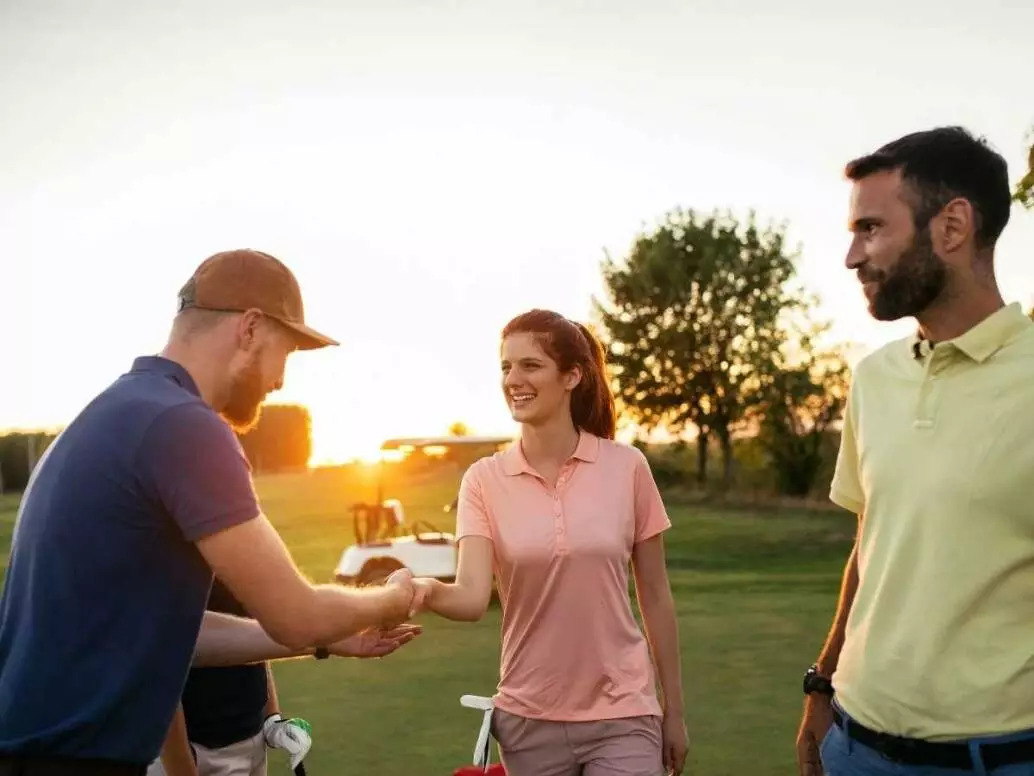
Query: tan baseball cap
{"points": [[241, 280]]}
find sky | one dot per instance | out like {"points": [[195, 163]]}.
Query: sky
{"points": [[430, 169]]}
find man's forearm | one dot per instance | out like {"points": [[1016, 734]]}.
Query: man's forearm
{"points": [[252, 561], [176, 756], [226, 640], [340, 612], [830, 655], [272, 701]]}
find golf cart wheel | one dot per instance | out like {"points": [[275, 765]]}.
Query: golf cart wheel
{"points": [[375, 571]]}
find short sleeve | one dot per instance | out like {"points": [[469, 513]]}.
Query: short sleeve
{"points": [[651, 517], [471, 512], [846, 489], [192, 464]]}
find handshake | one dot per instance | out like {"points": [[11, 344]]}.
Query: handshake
{"points": [[418, 589]]}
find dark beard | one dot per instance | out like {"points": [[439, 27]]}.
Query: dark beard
{"points": [[912, 284], [244, 407]]}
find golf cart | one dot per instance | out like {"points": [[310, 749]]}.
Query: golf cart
{"points": [[385, 541]]}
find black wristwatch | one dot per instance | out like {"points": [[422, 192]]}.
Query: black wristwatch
{"points": [[321, 653], [813, 682]]}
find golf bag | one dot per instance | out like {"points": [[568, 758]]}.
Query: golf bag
{"points": [[483, 746]]}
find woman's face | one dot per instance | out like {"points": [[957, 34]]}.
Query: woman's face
{"points": [[535, 389]]}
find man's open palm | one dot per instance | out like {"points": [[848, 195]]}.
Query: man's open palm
{"points": [[375, 642]]}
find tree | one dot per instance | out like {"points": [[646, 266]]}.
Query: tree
{"points": [[802, 401], [1025, 188], [281, 440], [694, 315], [19, 454]]}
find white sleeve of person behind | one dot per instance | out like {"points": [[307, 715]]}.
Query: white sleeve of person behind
{"points": [[483, 746], [291, 735]]}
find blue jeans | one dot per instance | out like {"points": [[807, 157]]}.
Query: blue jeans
{"points": [[843, 756]]}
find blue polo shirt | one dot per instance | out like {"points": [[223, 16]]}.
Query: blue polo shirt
{"points": [[105, 589]]}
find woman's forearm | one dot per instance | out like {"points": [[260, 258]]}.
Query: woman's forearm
{"points": [[454, 601], [663, 636]]}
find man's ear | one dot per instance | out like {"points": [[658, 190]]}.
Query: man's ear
{"points": [[954, 226], [248, 328]]}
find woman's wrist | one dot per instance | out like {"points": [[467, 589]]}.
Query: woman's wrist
{"points": [[434, 594]]}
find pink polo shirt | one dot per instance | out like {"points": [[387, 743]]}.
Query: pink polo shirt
{"points": [[571, 649]]}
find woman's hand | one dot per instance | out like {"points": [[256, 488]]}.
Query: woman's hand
{"points": [[675, 743]]}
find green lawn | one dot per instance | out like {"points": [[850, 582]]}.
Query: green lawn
{"points": [[755, 593]]}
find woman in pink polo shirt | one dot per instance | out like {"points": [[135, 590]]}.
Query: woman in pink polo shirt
{"points": [[557, 518]]}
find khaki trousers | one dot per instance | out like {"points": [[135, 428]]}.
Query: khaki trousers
{"points": [[610, 747], [244, 758]]}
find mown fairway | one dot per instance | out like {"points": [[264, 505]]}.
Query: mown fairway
{"points": [[755, 593]]}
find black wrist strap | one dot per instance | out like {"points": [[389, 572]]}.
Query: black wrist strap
{"points": [[814, 683]]}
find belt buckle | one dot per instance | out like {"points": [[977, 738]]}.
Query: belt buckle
{"points": [[894, 748]]}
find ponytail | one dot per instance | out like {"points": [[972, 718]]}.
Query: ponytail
{"points": [[592, 403]]}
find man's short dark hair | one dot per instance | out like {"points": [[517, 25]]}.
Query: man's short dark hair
{"points": [[940, 165]]}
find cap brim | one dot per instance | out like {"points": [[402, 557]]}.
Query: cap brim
{"points": [[310, 339]]}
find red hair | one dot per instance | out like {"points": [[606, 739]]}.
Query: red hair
{"points": [[571, 344]]}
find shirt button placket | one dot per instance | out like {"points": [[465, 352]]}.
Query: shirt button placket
{"points": [[558, 513], [929, 389]]}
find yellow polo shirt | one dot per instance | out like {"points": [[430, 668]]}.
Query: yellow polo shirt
{"points": [[938, 453]]}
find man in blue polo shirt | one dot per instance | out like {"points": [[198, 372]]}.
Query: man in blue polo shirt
{"points": [[132, 509]]}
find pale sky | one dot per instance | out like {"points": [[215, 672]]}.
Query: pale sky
{"points": [[429, 170]]}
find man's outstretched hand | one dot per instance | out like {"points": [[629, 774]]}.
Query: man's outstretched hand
{"points": [[375, 642]]}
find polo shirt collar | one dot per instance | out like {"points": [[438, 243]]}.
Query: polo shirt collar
{"points": [[987, 337], [168, 368], [514, 462]]}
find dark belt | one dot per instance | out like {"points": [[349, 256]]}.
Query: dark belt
{"points": [[914, 751], [40, 765]]}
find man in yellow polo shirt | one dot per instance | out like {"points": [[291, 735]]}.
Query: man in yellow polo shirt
{"points": [[929, 666]]}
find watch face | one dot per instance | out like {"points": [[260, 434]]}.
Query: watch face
{"points": [[815, 683]]}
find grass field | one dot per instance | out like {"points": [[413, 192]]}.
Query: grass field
{"points": [[755, 592]]}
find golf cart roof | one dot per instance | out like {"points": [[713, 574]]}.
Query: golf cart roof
{"points": [[444, 441]]}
